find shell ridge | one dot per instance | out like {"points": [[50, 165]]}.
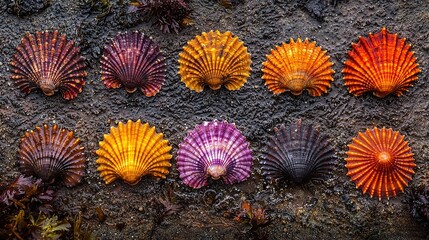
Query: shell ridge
{"points": [[113, 156], [206, 61], [158, 154], [31, 54], [314, 150], [390, 175], [144, 60], [200, 137], [61, 154], [289, 140], [20, 64], [232, 143], [211, 56], [370, 65], [44, 62], [58, 69]]}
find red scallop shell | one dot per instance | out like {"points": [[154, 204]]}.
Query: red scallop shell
{"points": [[50, 152], [382, 64], [380, 162], [134, 61], [47, 60]]}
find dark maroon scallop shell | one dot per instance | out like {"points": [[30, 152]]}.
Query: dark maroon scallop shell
{"points": [[134, 61], [50, 62], [51, 152], [172, 14], [298, 153], [214, 150]]}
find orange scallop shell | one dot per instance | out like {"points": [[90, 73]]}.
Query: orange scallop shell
{"points": [[382, 64], [131, 151], [214, 59], [380, 162], [298, 66]]}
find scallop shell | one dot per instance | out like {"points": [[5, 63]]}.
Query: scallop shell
{"points": [[214, 59], [131, 151], [50, 62], [382, 64], [298, 66], [214, 150], [298, 153], [380, 162], [51, 152], [134, 61]]}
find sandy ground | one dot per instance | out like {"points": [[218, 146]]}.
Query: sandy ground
{"points": [[333, 209]]}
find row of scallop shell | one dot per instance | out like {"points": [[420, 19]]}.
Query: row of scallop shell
{"points": [[382, 64], [379, 160]]}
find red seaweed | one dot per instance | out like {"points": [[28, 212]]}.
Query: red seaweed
{"points": [[171, 14]]}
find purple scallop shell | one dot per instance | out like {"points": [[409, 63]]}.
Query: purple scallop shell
{"points": [[298, 152], [134, 61], [214, 150]]}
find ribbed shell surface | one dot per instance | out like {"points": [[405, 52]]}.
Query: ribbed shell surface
{"points": [[133, 60], [214, 144], [382, 64], [50, 152], [50, 62], [131, 151], [298, 153], [214, 59], [380, 162], [298, 66]]}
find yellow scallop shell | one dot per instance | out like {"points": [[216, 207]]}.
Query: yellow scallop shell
{"points": [[214, 59], [131, 151], [296, 67]]}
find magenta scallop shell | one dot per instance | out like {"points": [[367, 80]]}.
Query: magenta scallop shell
{"points": [[214, 150], [134, 61]]}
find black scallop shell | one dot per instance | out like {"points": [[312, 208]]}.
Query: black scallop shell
{"points": [[298, 152]]}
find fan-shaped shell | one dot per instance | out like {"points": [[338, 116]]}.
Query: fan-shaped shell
{"points": [[131, 151], [214, 150], [298, 152], [51, 152], [133, 60], [298, 66], [214, 59], [382, 64], [380, 162], [47, 60]]}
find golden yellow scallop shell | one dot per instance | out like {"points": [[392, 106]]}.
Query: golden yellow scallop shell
{"points": [[298, 66], [131, 151], [214, 59]]}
